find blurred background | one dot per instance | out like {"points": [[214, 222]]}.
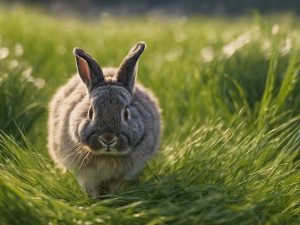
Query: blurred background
{"points": [[176, 7]]}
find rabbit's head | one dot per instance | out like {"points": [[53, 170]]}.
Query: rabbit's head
{"points": [[110, 124]]}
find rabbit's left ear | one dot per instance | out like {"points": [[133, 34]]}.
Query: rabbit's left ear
{"points": [[126, 73], [90, 72]]}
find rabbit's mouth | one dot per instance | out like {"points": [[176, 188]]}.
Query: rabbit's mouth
{"points": [[108, 150], [107, 143], [104, 148]]}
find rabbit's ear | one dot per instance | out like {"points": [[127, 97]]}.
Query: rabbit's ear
{"points": [[127, 70], [90, 72]]}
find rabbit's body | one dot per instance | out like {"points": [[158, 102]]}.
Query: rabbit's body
{"points": [[75, 142]]}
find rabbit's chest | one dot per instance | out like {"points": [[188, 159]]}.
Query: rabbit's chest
{"points": [[101, 171]]}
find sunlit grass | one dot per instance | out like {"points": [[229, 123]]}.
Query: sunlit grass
{"points": [[19, 95], [229, 94]]}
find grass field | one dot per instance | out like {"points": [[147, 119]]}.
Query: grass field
{"points": [[229, 90]]}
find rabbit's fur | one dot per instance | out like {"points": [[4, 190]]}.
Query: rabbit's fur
{"points": [[102, 125]]}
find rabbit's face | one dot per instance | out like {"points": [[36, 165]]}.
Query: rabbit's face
{"points": [[111, 125]]}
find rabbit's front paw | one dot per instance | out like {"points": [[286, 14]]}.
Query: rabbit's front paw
{"points": [[97, 191]]}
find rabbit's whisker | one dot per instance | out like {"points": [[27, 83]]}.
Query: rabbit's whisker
{"points": [[86, 154]]}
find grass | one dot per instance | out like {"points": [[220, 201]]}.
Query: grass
{"points": [[229, 93]]}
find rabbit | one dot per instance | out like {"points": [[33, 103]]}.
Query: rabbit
{"points": [[103, 126]]}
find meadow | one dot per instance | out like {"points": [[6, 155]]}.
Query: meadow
{"points": [[229, 91]]}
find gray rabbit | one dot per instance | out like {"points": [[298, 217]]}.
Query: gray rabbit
{"points": [[104, 126]]}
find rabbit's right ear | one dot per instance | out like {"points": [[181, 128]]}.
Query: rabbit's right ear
{"points": [[90, 72], [126, 73]]}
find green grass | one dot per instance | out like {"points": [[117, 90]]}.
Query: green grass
{"points": [[229, 93]]}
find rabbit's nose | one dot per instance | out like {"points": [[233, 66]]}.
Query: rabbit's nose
{"points": [[108, 138]]}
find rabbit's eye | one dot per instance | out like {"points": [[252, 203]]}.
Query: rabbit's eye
{"points": [[90, 113], [126, 114]]}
